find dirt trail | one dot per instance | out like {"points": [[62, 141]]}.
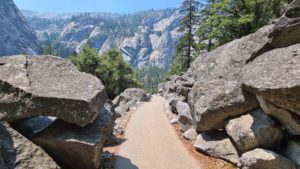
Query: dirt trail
{"points": [[152, 143]]}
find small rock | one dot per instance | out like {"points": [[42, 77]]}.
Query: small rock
{"points": [[122, 108], [190, 134], [265, 159], [184, 113], [174, 120], [254, 130], [217, 144]]}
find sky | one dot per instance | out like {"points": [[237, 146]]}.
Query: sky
{"points": [[112, 6]]}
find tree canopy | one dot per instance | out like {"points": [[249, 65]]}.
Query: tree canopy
{"points": [[110, 67]]}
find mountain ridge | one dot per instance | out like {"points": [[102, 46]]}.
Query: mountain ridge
{"points": [[16, 37], [144, 38]]}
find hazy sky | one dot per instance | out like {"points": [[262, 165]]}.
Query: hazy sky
{"points": [[114, 6]]}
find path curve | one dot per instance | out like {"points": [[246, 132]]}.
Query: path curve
{"points": [[152, 142]]}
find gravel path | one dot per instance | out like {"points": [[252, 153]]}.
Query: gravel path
{"points": [[152, 142]]}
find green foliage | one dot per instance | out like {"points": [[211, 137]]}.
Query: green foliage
{"points": [[222, 21], [110, 67], [49, 50], [179, 63], [150, 76], [186, 46]]}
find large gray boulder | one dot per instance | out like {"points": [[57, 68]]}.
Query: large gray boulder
{"points": [[181, 85], [136, 94], [217, 144], [73, 146], [254, 130], [17, 152], [265, 159], [48, 86], [287, 30], [227, 61], [288, 119], [275, 76], [213, 102], [291, 150]]}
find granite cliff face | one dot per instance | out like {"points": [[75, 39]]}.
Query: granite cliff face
{"points": [[15, 35], [144, 38]]}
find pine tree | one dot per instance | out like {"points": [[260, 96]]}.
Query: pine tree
{"points": [[186, 44], [49, 50], [225, 20]]}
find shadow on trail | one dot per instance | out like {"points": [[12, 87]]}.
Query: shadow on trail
{"points": [[124, 163]]}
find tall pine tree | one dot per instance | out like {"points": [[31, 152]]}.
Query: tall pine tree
{"points": [[186, 45], [187, 25]]}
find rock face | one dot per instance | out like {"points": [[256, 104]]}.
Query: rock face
{"points": [[265, 159], [254, 130], [16, 37], [289, 120], [213, 102], [217, 144], [50, 86], [279, 86], [76, 147], [286, 30], [17, 152], [145, 38]]}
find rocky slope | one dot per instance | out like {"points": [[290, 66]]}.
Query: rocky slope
{"points": [[144, 38], [242, 99], [15, 35]]}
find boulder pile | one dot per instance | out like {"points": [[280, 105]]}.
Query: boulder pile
{"points": [[51, 115], [121, 105], [243, 98]]}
